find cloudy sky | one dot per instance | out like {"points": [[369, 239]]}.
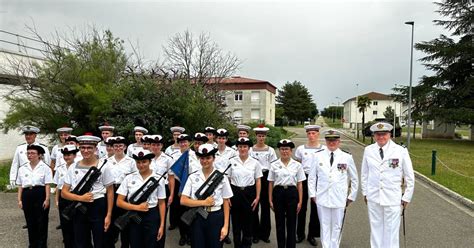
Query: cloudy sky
{"points": [[330, 46]]}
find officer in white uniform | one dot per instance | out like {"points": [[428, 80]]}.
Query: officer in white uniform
{"points": [[328, 187], [56, 154], [285, 193], [384, 167], [20, 157], [265, 155], [106, 131], [33, 180], [138, 132], [176, 131], [99, 201], [245, 180], [305, 155]]}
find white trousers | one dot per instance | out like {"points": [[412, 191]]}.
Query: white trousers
{"points": [[330, 220], [384, 225]]}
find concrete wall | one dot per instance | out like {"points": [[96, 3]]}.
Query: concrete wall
{"points": [[437, 130], [264, 105]]}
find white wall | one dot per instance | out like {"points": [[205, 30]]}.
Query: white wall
{"points": [[352, 115]]}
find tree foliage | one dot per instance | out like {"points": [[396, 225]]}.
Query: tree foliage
{"points": [[363, 103], [334, 112], [296, 102]]}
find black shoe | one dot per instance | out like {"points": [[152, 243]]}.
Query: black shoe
{"points": [[255, 240], [312, 241], [299, 239], [188, 241], [58, 227], [227, 240], [266, 240], [171, 227], [24, 226], [182, 241]]}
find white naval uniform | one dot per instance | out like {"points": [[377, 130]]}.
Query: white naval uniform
{"points": [[305, 155], [132, 148], [161, 165], [288, 175], [381, 181], [171, 149], [120, 169], [76, 172], [134, 181], [222, 158], [41, 175], [265, 156], [243, 174], [56, 154], [102, 150], [20, 158], [329, 185], [61, 171]]}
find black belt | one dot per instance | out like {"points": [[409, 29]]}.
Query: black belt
{"points": [[33, 187], [242, 188], [285, 186]]}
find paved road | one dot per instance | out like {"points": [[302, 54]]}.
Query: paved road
{"points": [[431, 219]]}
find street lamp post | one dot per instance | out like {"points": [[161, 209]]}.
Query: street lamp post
{"points": [[412, 23], [357, 110], [339, 117]]}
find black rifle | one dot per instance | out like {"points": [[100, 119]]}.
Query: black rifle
{"points": [[140, 196], [209, 186], [84, 186]]}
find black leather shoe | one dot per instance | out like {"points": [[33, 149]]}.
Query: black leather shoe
{"points": [[188, 241], [171, 227], [182, 241], [312, 241], [58, 227], [255, 240], [266, 240], [299, 239], [227, 240], [24, 226]]}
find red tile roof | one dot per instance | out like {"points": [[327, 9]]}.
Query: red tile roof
{"points": [[237, 82]]}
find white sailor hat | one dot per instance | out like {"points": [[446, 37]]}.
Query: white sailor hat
{"points": [[221, 132], [64, 130], [332, 134], [142, 154], [120, 140], [244, 141], [146, 138], [243, 128], [156, 139], [261, 129], [286, 143], [140, 129], [69, 149], [106, 127], [312, 128], [210, 130], [177, 129], [381, 127], [88, 139], [109, 141], [200, 137], [29, 129], [206, 150], [183, 136]]}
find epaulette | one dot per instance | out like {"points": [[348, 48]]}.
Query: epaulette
{"points": [[41, 144], [166, 154], [254, 158], [22, 144], [322, 149], [232, 157], [274, 160], [193, 172], [346, 152], [26, 163]]}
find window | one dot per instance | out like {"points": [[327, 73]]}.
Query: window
{"points": [[255, 114], [255, 96], [237, 114], [375, 103], [238, 96], [374, 112]]}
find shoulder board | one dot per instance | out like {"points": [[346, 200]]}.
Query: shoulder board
{"points": [[254, 158], [26, 163], [232, 157], [166, 154], [193, 172], [319, 150], [22, 144], [41, 144], [346, 152], [274, 160], [133, 172]]}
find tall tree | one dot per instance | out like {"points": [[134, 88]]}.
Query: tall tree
{"points": [[363, 103], [296, 102]]}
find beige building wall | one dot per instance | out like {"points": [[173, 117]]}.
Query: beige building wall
{"points": [[254, 105]]}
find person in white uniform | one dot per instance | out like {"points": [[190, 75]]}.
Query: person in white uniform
{"points": [[243, 131], [328, 187], [106, 131], [211, 135], [385, 166], [224, 153], [138, 133], [175, 131], [20, 157], [56, 154]]}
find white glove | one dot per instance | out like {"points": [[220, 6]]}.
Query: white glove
{"points": [[13, 184]]}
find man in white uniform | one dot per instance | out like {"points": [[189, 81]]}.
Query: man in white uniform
{"points": [[384, 167]]}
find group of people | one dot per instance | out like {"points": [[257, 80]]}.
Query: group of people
{"points": [[106, 190]]}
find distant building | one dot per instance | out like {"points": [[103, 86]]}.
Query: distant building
{"points": [[380, 102], [248, 100]]}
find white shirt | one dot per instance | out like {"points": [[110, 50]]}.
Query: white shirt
{"points": [[61, 171], [20, 159], [132, 148], [288, 175], [56, 152], [194, 182], [381, 180], [305, 155], [222, 158], [243, 174], [265, 156], [102, 150], [121, 168], [76, 172], [171, 149], [39, 176], [329, 184], [134, 181], [162, 164]]}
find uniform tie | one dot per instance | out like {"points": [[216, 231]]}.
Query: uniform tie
{"points": [[332, 158], [381, 152]]}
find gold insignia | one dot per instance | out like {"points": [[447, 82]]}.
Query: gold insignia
{"points": [[380, 126]]}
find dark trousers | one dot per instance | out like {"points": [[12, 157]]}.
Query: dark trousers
{"points": [[242, 215], [36, 217], [112, 235], [262, 226], [178, 210], [206, 232], [313, 227], [145, 233], [174, 217], [285, 203], [92, 222], [67, 228]]}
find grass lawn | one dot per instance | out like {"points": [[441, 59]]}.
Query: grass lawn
{"points": [[336, 124], [456, 154], [4, 175]]}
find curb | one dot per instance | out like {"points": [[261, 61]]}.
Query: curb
{"points": [[440, 188]]}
